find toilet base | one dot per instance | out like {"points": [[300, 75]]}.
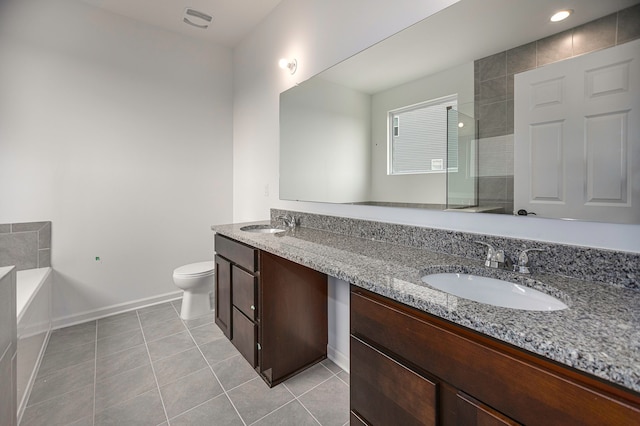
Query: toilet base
{"points": [[196, 303]]}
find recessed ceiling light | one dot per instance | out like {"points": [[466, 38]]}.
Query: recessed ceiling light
{"points": [[561, 15]]}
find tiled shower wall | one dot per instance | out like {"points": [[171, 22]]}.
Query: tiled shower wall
{"points": [[25, 245], [494, 77]]}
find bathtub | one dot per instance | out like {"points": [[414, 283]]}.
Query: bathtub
{"points": [[33, 312]]}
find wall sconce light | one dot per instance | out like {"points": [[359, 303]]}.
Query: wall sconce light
{"points": [[291, 65], [561, 15]]}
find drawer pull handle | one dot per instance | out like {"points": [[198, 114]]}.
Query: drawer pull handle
{"points": [[259, 347], [253, 308]]}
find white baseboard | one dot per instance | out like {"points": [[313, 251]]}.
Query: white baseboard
{"points": [[66, 321], [338, 358]]}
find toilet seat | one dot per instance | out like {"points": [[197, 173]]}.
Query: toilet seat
{"points": [[194, 270]]}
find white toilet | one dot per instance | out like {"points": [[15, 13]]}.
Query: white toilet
{"points": [[196, 279]]}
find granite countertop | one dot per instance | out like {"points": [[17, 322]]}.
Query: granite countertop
{"points": [[599, 333]]}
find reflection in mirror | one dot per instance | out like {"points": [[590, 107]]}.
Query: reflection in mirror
{"points": [[462, 163], [337, 128]]}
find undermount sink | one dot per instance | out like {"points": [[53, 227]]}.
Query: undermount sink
{"points": [[493, 291], [261, 229]]}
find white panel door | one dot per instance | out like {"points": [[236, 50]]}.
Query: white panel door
{"points": [[577, 137]]}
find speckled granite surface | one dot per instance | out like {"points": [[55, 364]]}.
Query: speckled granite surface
{"points": [[598, 334], [606, 266]]}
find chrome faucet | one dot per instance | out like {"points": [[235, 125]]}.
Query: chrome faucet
{"points": [[496, 257], [288, 221], [523, 261]]}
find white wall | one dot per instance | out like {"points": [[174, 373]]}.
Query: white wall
{"points": [[121, 135], [331, 162], [311, 31]]}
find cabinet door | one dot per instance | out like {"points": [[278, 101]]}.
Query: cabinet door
{"points": [[518, 384], [244, 291], [472, 412], [244, 336], [223, 295], [293, 317], [384, 392]]}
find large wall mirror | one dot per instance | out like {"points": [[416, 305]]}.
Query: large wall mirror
{"points": [[486, 106]]}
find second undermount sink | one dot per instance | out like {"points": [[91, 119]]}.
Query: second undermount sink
{"points": [[494, 292], [261, 229]]}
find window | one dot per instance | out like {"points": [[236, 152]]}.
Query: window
{"points": [[418, 138]]}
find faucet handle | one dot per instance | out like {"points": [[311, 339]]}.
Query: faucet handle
{"points": [[491, 253], [523, 260], [289, 221]]}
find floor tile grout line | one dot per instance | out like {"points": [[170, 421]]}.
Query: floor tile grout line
{"points": [[322, 382], [169, 356], [295, 399], [164, 408], [343, 381], [57, 394], [66, 349], [129, 331], [214, 373], [116, 334], [163, 337], [243, 383], [199, 405]]}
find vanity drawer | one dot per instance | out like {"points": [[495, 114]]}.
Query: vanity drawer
{"points": [[514, 382], [244, 291], [237, 252], [376, 396], [245, 336]]}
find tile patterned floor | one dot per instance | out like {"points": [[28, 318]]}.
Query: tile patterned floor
{"points": [[148, 367]]}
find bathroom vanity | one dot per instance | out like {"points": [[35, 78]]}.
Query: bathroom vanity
{"points": [[273, 310], [412, 368], [423, 356]]}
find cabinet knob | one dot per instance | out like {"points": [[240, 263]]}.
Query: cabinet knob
{"points": [[253, 308], [259, 347]]}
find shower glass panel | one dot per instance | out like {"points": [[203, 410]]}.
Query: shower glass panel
{"points": [[462, 161]]}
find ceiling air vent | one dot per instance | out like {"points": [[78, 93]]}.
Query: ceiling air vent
{"points": [[196, 18]]}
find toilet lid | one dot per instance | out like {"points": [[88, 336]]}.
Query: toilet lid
{"points": [[195, 269]]}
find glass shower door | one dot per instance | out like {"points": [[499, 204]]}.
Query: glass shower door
{"points": [[462, 160]]}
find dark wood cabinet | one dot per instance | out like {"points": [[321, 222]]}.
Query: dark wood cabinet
{"points": [[293, 317], [245, 286], [245, 333], [388, 391], [273, 310], [471, 412], [236, 294], [436, 372], [223, 295]]}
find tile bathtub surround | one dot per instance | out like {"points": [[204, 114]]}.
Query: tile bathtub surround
{"points": [[8, 347], [620, 269], [148, 367], [25, 245]]}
